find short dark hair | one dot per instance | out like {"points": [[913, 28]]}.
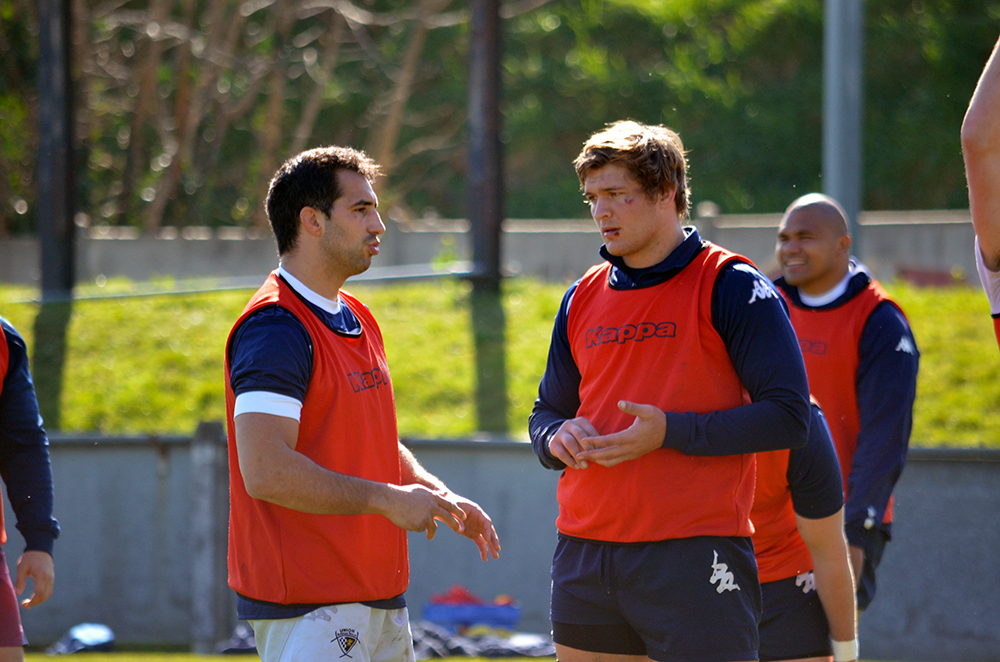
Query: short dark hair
{"points": [[310, 180], [653, 154]]}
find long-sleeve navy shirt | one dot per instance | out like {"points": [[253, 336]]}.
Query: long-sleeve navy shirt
{"points": [[24, 449], [886, 383], [750, 317]]}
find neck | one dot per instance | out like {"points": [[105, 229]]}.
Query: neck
{"points": [[312, 274], [819, 288], [670, 240]]}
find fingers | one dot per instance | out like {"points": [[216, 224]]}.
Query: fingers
{"points": [[607, 456], [645, 412], [450, 512], [566, 442], [38, 566]]}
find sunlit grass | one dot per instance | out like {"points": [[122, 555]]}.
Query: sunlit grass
{"points": [[153, 364]]}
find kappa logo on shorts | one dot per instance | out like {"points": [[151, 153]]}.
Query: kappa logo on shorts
{"points": [[721, 574], [347, 639], [807, 580]]}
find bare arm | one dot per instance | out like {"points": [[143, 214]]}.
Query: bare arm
{"points": [[274, 471], [476, 525], [832, 568], [981, 149]]}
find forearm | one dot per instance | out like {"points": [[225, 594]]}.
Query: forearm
{"points": [[835, 586], [273, 471], [888, 363], [291, 480], [413, 473], [754, 428], [832, 569], [29, 487]]}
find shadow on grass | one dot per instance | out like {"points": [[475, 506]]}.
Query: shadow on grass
{"points": [[49, 361], [488, 325]]}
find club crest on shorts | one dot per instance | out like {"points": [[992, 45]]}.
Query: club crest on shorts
{"points": [[347, 639]]}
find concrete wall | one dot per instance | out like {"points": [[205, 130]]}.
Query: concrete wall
{"points": [[939, 584], [131, 554], [938, 242]]}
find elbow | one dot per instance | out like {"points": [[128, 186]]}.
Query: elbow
{"points": [[259, 483], [256, 488], [798, 425], [980, 140]]}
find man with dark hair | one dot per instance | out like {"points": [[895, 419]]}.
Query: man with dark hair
{"points": [[322, 491], [24, 464], [981, 149], [862, 362], [670, 366]]}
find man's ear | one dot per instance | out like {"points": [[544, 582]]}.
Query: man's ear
{"points": [[844, 244], [311, 221], [667, 198]]}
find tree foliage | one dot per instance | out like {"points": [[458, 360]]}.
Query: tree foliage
{"points": [[186, 107]]}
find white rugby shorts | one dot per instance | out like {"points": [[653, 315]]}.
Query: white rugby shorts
{"points": [[348, 632]]}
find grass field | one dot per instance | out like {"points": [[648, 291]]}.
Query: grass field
{"points": [[153, 364]]}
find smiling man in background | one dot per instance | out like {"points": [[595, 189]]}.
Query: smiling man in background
{"points": [[862, 362]]}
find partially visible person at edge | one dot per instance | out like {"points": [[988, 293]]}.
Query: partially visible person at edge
{"points": [[862, 362], [810, 612], [670, 365], [322, 491], [25, 467], [981, 149]]}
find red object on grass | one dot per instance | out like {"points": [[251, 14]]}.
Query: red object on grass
{"points": [[457, 595]]}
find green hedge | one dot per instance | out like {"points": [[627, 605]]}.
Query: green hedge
{"points": [[153, 364]]}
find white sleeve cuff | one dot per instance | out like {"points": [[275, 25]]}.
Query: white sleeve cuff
{"points": [[264, 402], [990, 281]]}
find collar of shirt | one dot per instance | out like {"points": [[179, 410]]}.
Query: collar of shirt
{"points": [[857, 279], [331, 306], [334, 313], [623, 277]]}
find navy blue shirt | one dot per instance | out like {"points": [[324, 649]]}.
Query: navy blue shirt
{"points": [[24, 450], [886, 384], [814, 472], [750, 317]]}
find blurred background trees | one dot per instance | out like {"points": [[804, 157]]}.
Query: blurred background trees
{"points": [[186, 107]]}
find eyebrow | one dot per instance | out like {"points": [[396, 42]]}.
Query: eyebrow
{"points": [[605, 189]]}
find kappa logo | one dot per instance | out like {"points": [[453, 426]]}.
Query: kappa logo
{"points": [[362, 381], [347, 639], [807, 580], [812, 347], [722, 576], [906, 345], [762, 290], [600, 335]]}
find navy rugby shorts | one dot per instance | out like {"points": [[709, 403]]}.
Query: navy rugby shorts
{"points": [[794, 623], [689, 598]]}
